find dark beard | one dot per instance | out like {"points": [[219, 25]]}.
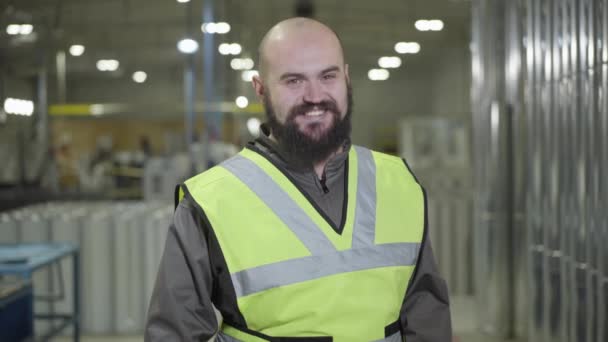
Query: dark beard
{"points": [[303, 150]]}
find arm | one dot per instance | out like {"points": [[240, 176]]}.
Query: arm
{"points": [[180, 307], [425, 313]]}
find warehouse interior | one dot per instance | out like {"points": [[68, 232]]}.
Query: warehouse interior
{"points": [[499, 107]]}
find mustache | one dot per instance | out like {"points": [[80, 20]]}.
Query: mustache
{"points": [[325, 105]]}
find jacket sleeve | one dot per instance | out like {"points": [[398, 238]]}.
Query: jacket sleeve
{"points": [[425, 313], [180, 308]]}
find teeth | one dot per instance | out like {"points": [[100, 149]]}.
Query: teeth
{"points": [[315, 113]]}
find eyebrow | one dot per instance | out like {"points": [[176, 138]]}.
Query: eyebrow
{"points": [[300, 75]]}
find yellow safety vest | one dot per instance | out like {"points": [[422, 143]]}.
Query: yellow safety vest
{"points": [[293, 275]]}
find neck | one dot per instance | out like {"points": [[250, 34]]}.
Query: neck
{"points": [[320, 166]]}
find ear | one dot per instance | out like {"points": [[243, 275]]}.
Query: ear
{"points": [[258, 86], [346, 73]]}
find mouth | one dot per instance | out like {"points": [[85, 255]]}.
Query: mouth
{"points": [[314, 113]]}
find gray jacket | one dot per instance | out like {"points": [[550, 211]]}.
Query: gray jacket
{"points": [[193, 276]]}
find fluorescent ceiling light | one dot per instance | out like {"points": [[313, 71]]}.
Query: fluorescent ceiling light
{"points": [[248, 75], [13, 29], [107, 65], [241, 102], [253, 126], [241, 63], [19, 107], [76, 50], [407, 47], [229, 49], [187, 45], [215, 28], [429, 25], [378, 74], [389, 62], [140, 76]]}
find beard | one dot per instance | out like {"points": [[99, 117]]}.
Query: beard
{"points": [[304, 149]]}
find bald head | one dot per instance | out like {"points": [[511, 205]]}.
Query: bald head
{"points": [[295, 33]]}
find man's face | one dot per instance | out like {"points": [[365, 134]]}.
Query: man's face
{"points": [[306, 88]]}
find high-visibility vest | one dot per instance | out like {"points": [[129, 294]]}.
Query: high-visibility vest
{"points": [[293, 275]]}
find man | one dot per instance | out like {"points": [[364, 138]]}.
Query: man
{"points": [[302, 236]]}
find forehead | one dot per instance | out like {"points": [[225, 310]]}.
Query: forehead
{"points": [[304, 52]]}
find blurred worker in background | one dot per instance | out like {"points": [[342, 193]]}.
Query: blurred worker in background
{"points": [[302, 235]]}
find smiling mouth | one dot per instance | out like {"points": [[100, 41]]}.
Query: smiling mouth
{"points": [[313, 113]]}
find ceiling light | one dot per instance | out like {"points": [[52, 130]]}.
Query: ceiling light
{"points": [[241, 63], [76, 50], [224, 49], [230, 49], [378, 74], [241, 102], [389, 62], [248, 75], [26, 29], [140, 76], [183, 1], [222, 28], [429, 25], [18, 107], [107, 65], [208, 28], [187, 45], [407, 47], [235, 48], [436, 25], [13, 29], [253, 126], [215, 28]]}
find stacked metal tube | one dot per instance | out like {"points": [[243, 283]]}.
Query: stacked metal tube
{"points": [[540, 79], [121, 245]]}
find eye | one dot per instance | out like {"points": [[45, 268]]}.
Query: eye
{"points": [[293, 81], [327, 77]]}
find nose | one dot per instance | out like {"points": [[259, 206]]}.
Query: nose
{"points": [[313, 92]]}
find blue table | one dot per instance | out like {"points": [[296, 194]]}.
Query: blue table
{"points": [[24, 259]]}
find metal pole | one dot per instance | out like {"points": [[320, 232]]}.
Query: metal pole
{"points": [[189, 100], [212, 129], [61, 76]]}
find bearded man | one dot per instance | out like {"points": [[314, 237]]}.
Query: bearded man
{"points": [[302, 236]]}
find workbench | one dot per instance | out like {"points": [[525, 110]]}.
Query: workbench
{"points": [[22, 260]]}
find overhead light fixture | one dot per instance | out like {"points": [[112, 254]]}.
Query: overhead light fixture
{"points": [[76, 50], [16, 29], [389, 62], [407, 47], [140, 76], [215, 28], [378, 74], [241, 102], [429, 25], [187, 46], [230, 49], [26, 29], [107, 65], [241, 63], [253, 126], [248, 75], [183, 1], [18, 107]]}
